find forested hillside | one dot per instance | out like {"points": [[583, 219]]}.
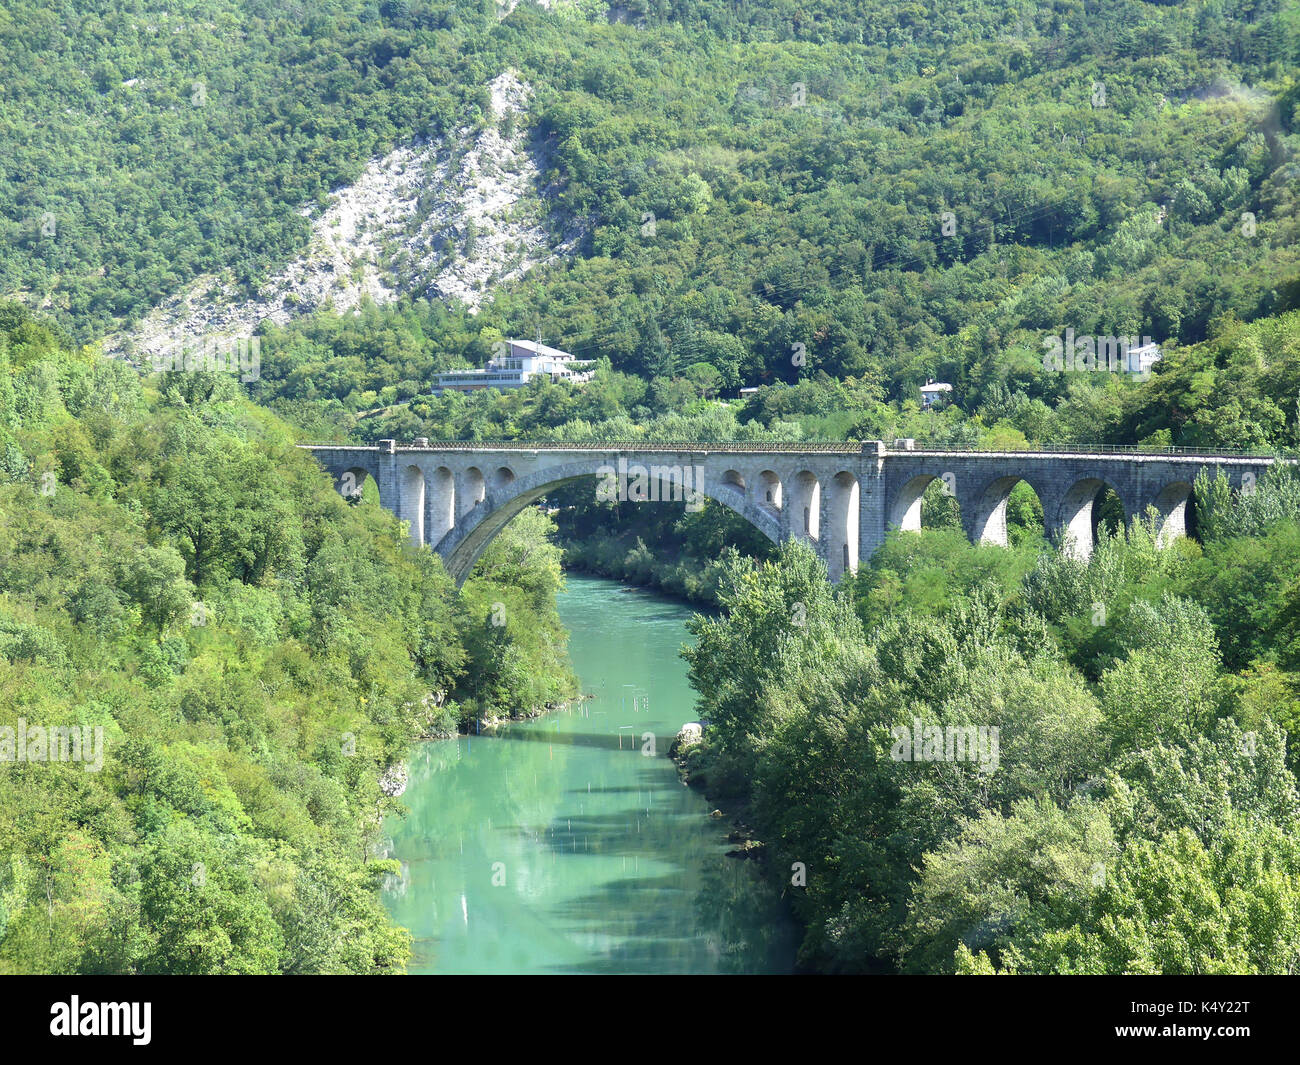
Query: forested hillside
{"points": [[257, 653], [933, 201], [1139, 812], [751, 178]]}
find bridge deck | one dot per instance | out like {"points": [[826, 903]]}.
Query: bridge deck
{"points": [[635, 445], [849, 447]]}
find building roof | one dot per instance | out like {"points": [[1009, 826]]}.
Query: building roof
{"points": [[936, 386], [540, 349]]}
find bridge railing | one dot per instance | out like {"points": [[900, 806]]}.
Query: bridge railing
{"points": [[822, 447], [1286, 454], [851, 447]]}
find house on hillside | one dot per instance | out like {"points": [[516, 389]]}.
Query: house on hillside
{"points": [[1141, 359], [521, 361], [932, 392]]}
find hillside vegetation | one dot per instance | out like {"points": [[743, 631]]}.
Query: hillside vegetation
{"points": [[750, 179], [1131, 805], [257, 652]]}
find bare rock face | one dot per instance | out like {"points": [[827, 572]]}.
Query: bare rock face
{"points": [[507, 6], [688, 736], [393, 782], [448, 218]]}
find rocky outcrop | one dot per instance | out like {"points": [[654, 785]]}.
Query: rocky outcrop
{"points": [[431, 721], [445, 218], [688, 736], [393, 781]]}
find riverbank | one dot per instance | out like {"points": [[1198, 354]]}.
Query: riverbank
{"points": [[690, 755], [478, 726]]}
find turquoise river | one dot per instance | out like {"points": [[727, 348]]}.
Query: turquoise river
{"points": [[567, 844]]}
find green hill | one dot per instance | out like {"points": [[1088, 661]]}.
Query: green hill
{"points": [[247, 655]]}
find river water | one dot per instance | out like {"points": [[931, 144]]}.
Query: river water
{"points": [[564, 845]]}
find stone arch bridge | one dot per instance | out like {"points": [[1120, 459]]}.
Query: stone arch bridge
{"points": [[841, 498]]}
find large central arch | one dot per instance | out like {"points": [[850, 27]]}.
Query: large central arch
{"points": [[507, 496]]}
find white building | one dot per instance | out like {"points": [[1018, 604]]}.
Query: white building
{"points": [[521, 361], [932, 392], [1141, 359]]}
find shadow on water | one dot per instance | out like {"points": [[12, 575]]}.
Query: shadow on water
{"points": [[597, 740], [628, 789], [723, 923]]}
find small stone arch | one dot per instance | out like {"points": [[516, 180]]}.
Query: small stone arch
{"points": [[805, 506], [733, 480], [1173, 505], [908, 512], [1075, 517], [841, 535], [471, 489], [768, 491], [501, 477], [412, 502], [905, 514], [351, 481], [990, 518]]}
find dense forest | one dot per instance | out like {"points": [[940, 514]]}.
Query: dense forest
{"points": [[831, 205], [258, 654], [903, 190], [1141, 812]]}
